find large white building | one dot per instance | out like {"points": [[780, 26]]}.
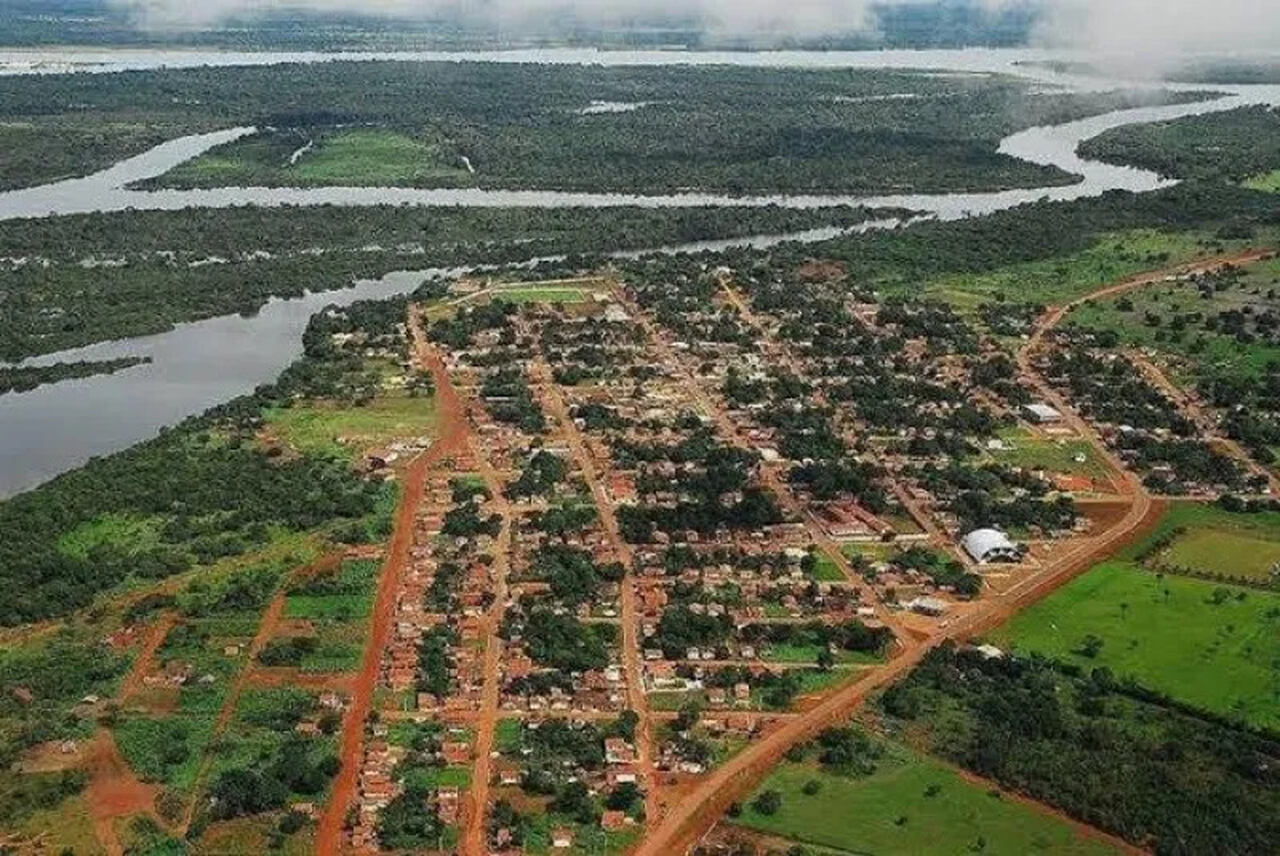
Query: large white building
{"points": [[990, 545]]}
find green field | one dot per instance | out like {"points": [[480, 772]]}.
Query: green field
{"points": [[318, 428], [376, 159], [861, 815], [538, 294], [367, 157], [133, 533], [1031, 451], [1205, 539], [1205, 351], [1059, 279], [1269, 182], [1213, 646], [165, 750], [809, 654], [826, 570], [1212, 550]]}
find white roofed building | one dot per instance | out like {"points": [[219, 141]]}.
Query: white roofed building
{"points": [[990, 545]]}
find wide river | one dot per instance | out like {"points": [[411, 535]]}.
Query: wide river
{"points": [[55, 428]]}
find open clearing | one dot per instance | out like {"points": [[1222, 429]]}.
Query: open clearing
{"points": [[538, 294], [1210, 550], [318, 428], [374, 158], [1034, 451], [1203, 539], [1060, 279], [861, 815], [364, 157], [1267, 181], [1213, 646]]}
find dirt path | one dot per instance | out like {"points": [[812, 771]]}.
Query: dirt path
{"points": [[703, 805], [113, 792], [451, 426], [142, 666], [630, 618], [486, 725]]}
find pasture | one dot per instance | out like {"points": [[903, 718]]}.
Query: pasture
{"points": [[1213, 646], [345, 432], [912, 806]]}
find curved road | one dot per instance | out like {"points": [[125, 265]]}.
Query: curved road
{"points": [[699, 810]]}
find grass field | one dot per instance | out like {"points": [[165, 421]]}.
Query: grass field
{"points": [[318, 428], [861, 815], [537, 294], [1060, 279], [128, 532], [1243, 547], [1212, 550], [1031, 451], [66, 828], [1269, 182], [826, 570], [507, 736], [1219, 352], [372, 158], [809, 654], [364, 157], [1216, 647]]}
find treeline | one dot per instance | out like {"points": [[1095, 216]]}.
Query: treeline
{"points": [[239, 233], [1230, 146], [1036, 231], [521, 126], [27, 378], [1161, 775], [309, 250], [703, 139]]}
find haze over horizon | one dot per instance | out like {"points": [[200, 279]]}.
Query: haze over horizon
{"points": [[1141, 30]]}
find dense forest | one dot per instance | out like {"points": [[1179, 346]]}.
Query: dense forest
{"points": [[1233, 146], [156, 269], [522, 126]]}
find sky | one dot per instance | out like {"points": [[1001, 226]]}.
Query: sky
{"points": [[1154, 29]]}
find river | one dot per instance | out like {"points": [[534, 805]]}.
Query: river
{"points": [[55, 428]]}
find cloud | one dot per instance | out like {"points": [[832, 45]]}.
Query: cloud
{"points": [[789, 18], [1141, 30], [1154, 31]]}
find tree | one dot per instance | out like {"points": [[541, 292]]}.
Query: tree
{"points": [[1091, 646], [768, 803]]}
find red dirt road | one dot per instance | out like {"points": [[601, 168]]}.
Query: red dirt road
{"points": [[451, 436], [702, 807], [113, 792]]}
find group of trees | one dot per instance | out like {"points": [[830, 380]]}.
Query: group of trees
{"points": [[297, 767], [573, 576], [1159, 774], [560, 641], [853, 635], [1232, 145], [27, 378]]}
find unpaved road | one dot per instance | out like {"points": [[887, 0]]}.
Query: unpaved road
{"points": [[703, 806], [451, 434]]}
